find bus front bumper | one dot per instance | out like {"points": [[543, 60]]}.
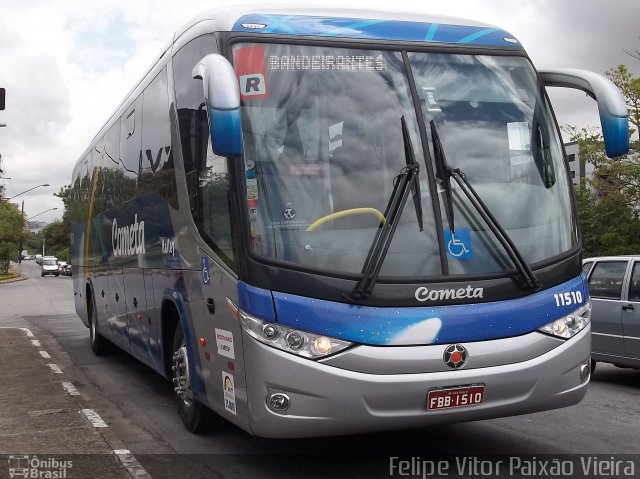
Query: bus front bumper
{"points": [[327, 400]]}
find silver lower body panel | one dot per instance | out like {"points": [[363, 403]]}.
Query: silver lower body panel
{"points": [[328, 400]]}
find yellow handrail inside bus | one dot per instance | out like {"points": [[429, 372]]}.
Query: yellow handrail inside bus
{"points": [[343, 213]]}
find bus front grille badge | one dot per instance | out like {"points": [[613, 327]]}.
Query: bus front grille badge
{"points": [[455, 356]]}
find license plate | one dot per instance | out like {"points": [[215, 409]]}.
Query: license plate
{"points": [[455, 397]]}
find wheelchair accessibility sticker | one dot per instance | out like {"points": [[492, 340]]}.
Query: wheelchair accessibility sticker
{"points": [[206, 278], [458, 244]]}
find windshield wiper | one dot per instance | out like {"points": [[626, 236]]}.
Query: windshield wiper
{"points": [[405, 182], [442, 173], [528, 278]]}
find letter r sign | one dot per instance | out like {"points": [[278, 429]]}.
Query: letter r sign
{"points": [[251, 71], [252, 85]]}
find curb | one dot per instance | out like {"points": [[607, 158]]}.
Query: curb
{"points": [[14, 280]]}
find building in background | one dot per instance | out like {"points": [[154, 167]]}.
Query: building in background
{"points": [[580, 171]]}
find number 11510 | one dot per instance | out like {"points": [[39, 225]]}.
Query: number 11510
{"points": [[569, 298]]}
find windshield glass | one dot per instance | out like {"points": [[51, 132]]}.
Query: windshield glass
{"points": [[323, 145], [495, 125]]}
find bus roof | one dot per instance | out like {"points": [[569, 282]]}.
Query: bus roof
{"points": [[354, 23], [329, 23]]}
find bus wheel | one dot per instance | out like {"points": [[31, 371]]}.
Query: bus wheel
{"points": [[196, 416], [99, 345]]}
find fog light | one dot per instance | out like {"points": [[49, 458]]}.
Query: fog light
{"points": [[278, 402], [585, 371]]}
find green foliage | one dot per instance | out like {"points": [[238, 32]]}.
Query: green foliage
{"points": [[56, 240], [11, 232], [609, 204]]}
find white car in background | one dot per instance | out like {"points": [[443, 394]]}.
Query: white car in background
{"points": [[49, 266]]}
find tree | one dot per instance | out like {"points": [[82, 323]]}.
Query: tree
{"points": [[11, 232], [610, 216], [630, 88], [56, 240]]}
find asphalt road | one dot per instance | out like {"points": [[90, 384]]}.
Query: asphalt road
{"points": [[138, 406]]}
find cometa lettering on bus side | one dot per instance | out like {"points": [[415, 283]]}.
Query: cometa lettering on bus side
{"points": [[425, 294], [128, 240]]}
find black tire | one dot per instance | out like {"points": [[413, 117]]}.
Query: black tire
{"points": [[196, 417], [593, 366], [99, 345]]}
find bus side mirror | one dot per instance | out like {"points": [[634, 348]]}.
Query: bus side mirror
{"points": [[222, 97], [611, 104]]}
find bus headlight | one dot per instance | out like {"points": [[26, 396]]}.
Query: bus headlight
{"points": [[302, 343], [571, 324]]}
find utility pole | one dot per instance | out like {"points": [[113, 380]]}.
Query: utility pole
{"points": [[20, 243]]}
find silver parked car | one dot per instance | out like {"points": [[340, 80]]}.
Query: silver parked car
{"points": [[614, 285]]}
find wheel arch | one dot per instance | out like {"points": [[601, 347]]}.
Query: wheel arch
{"points": [[172, 312]]}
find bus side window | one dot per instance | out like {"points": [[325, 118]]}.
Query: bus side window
{"points": [[156, 165], [206, 174], [192, 113], [130, 153], [214, 207]]}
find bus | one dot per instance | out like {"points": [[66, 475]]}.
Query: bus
{"points": [[323, 222]]}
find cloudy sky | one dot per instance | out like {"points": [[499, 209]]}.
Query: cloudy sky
{"points": [[66, 65]]}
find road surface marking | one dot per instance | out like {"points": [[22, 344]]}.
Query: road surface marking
{"points": [[94, 418], [35, 342], [71, 389], [130, 462], [45, 354], [55, 368], [28, 331]]}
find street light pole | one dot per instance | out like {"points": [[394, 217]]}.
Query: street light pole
{"points": [[27, 191], [41, 213], [20, 243]]}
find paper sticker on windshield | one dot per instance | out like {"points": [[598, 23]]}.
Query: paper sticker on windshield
{"points": [[431, 99], [458, 244], [251, 71]]}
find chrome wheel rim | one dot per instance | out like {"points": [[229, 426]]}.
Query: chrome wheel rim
{"points": [[181, 379]]}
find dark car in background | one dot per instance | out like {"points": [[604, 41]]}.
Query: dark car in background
{"points": [[614, 286]]}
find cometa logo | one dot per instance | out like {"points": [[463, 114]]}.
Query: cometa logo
{"points": [[128, 240], [425, 294]]}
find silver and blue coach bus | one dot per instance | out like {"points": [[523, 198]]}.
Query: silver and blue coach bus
{"points": [[329, 222]]}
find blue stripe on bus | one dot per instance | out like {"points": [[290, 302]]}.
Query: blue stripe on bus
{"points": [[255, 301], [421, 325], [375, 29]]}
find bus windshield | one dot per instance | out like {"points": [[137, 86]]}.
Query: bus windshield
{"points": [[323, 147]]}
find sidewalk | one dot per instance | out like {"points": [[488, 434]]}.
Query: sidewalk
{"points": [[39, 417]]}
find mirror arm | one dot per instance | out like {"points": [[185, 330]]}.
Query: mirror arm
{"points": [[612, 106], [222, 97]]}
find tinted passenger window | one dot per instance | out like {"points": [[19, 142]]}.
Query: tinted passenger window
{"points": [[207, 175], [606, 279], [130, 142], [634, 286], [214, 217], [192, 114], [586, 267], [156, 160]]}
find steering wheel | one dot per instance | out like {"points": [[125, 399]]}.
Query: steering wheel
{"points": [[343, 213]]}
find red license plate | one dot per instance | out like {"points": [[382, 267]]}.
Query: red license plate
{"points": [[455, 397]]}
